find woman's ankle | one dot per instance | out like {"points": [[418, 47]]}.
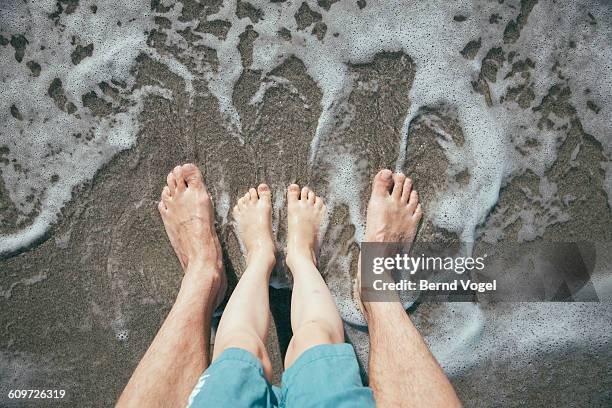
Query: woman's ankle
{"points": [[261, 256], [297, 258]]}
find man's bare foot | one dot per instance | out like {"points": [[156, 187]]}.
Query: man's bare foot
{"points": [[393, 215], [253, 213], [187, 211], [394, 211], [304, 214]]}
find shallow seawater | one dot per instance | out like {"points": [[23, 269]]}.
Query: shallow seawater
{"points": [[70, 103], [494, 107]]}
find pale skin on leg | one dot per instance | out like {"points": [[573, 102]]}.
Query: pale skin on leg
{"points": [[314, 317], [407, 375], [179, 353], [246, 317], [245, 320]]}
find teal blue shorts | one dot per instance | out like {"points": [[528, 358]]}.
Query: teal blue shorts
{"points": [[326, 375]]}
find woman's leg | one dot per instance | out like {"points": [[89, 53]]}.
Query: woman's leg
{"points": [[314, 317], [245, 321]]}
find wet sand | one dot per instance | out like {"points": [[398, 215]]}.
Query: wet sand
{"points": [[80, 305]]}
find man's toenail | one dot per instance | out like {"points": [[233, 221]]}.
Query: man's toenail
{"points": [[386, 174]]}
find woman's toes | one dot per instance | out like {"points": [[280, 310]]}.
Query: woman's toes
{"points": [[413, 201], [171, 182], [382, 183], [253, 194], [304, 194], [398, 185], [406, 191], [180, 181], [311, 197], [293, 193], [192, 175], [264, 192]]}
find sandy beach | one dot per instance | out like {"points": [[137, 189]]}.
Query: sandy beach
{"points": [[499, 111]]}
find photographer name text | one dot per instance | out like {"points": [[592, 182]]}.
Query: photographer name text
{"points": [[425, 285]]}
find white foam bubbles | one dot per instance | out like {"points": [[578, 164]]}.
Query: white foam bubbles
{"points": [[55, 142]]}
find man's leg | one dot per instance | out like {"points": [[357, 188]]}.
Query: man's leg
{"points": [[402, 370], [246, 317], [314, 317], [179, 353]]}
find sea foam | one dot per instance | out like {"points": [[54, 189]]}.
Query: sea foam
{"points": [[423, 30]]}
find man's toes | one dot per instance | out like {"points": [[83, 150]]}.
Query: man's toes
{"points": [[264, 192], [304, 193], [398, 185], [165, 195], [162, 207], [311, 197], [413, 201], [382, 183], [418, 213], [171, 182], [192, 175], [180, 181], [253, 194], [319, 202], [406, 191], [293, 193]]}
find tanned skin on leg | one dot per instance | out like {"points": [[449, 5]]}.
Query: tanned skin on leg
{"points": [[246, 317], [402, 370], [179, 353], [314, 317]]}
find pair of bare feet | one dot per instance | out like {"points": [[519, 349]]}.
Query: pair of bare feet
{"points": [[187, 212], [179, 352], [253, 215]]}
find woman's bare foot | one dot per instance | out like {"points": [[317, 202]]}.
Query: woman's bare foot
{"points": [[187, 211], [253, 213], [393, 215], [304, 214]]}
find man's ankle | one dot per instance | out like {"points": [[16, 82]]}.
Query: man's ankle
{"points": [[197, 275], [378, 310]]}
